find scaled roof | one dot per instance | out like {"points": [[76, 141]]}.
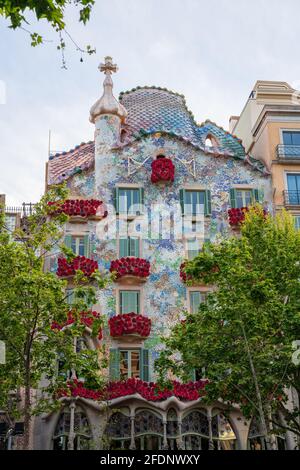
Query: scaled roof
{"points": [[152, 110]]}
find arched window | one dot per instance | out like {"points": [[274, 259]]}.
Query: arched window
{"points": [[82, 430], [149, 430], [223, 434], [195, 430], [118, 430]]}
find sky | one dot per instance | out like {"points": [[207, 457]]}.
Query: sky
{"points": [[212, 51]]}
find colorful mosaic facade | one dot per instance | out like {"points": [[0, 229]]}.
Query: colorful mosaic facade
{"points": [[150, 123]]}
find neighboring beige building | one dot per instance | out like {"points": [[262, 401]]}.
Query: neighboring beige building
{"points": [[269, 126]]}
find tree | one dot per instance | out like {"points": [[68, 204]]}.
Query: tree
{"points": [[32, 300], [53, 11], [244, 334]]}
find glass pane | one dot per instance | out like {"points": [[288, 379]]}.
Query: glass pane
{"points": [[287, 138], [194, 202], [129, 301], [293, 182], [243, 198], [124, 365], [135, 364], [77, 246], [291, 138]]}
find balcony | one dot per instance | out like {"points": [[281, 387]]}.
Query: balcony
{"points": [[288, 152], [291, 198]]}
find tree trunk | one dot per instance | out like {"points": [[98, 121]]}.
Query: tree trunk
{"points": [[263, 423], [27, 401]]}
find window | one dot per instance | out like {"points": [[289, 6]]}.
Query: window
{"points": [[194, 247], [81, 296], [297, 221], [195, 202], [81, 429], [127, 363], [129, 301], [245, 197], [293, 182], [79, 244], [291, 137], [129, 201], [196, 298], [129, 247]]}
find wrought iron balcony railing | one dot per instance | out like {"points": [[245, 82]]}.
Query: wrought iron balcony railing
{"points": [[24, 210], [291, 198], [288, 152]]}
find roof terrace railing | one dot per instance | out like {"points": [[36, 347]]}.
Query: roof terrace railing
{"points": [[24, 210]]}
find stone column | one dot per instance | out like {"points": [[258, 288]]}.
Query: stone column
{"points": [[132, 440], [165, 441], [210, 433], [71, 433]]}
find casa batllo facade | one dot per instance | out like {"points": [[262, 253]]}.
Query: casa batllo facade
{"points": [[166, 185]]}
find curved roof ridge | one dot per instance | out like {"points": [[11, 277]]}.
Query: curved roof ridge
{"points": [[153, 87]]}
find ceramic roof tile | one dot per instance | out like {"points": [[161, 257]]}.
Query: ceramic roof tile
{"points": [[63, 165]]}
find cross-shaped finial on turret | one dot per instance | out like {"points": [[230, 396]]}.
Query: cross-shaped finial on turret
{"points": [[108, 67]]}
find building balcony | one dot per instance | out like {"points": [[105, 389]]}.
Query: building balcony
{"points": [[288, 153], [130, 325], [291, 198], [130, 270]]}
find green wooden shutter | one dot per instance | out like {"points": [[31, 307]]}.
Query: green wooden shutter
{"points": [[86, 242], [258, 195], [68, 241], [144, 365], [123, 247], [114, 364], [207, 203], [134, 247], [233, 198], [142, 200], [116, 199], [182, 198]]}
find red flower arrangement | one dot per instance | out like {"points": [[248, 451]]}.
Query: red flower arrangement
{"points": [[75, 388], [129, 323], [237, 215], [86, 265], [130, 267], [86, 318], [80, 207], [163, 169], [148, 390]]}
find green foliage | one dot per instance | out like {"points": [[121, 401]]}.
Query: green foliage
{"points": [[53, 11], [31, 298], [245, 331]]}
